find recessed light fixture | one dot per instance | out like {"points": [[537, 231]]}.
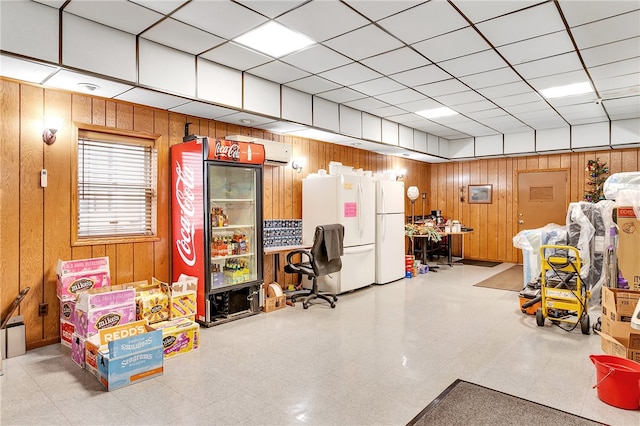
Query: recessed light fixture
{"points": [[568, 90], [245, 121], [356, 144], [89, 87], [437, 112], [274, 40]]}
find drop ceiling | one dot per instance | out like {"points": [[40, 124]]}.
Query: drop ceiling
{"points": [[484, 59]]}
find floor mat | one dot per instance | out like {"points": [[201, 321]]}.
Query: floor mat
{"points": [[511, 279], [478, 262], [464, 403]]}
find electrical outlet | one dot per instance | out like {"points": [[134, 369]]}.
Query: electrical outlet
{"points": [[43, 309], [424, 195]]}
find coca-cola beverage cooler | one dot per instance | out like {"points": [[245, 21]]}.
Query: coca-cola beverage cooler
{"points": [[216, 215]]}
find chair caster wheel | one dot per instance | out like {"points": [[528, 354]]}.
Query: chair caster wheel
{"points": [[305, 305], [335, 299], [333, 305]]}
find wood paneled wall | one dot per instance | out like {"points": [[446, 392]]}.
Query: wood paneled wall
{"points": [[35, 223], [495, 224]]}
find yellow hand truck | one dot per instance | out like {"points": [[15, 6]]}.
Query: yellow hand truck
{"points": [[563, 293]]}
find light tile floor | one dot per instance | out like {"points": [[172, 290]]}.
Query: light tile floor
{"points": [[378, 358]]}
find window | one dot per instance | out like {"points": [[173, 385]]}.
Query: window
{"points": [[116, 187]]}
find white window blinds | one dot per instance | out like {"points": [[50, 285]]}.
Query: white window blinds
{"points": [[116, 189]]}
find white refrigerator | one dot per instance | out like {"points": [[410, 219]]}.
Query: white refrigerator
{"points": [[350, 201], [390, 220]]}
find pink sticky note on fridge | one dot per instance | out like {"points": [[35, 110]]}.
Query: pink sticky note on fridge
{"points": [[350, 209]]}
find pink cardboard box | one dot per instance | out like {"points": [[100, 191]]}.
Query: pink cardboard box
{"points": [[102, 308], [77, 349], [75, 276]]}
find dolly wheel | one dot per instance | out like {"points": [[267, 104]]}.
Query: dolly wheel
{"points": [[539, 318], [585, 324]]}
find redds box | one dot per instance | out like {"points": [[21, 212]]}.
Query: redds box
{"points": [[76, 276]]}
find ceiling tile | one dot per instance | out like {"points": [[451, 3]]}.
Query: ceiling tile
{"points": [[316, 59], [422, 75], [455, 99], [566, 62], [507, 89], [471, 107], [376, 10], [619, 109], [396, 61], [628, 66], [378, 86], [478, 11], [313, 84], [516, 109], [528, 23], [235, 56], [452, 45], [363, 42], [200, 109], [401, 96], [607, 30], [366, 104], [522, 98], [312, 19], [387, 111], [611, 52], [545, 119], [582, 12], [341, 95], [491, 78], [424, 21], [152, 98], [19, 69], [558, 80], [442, 88], [76, 82], [350, 74], [222, 18], [271, 8], [281, 127], [181, 36], [420, 105], [278, 72], [537, 48], [616, 87], [473, 64], [572, 100], [241, 117], [164, 6], [122, 15], [492, 112]]}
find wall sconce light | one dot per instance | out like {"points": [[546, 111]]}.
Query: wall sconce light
{"points": [[297, 165], [51, 126], [401, 173], [413, 193]]}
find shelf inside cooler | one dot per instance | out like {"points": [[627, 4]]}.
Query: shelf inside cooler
{"points": [[231, 200], [221, 228], [231, 256]]}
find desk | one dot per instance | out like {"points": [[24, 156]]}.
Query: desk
{"points": [[278, 274], [449, 234]]}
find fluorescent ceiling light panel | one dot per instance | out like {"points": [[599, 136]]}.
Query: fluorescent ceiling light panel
{"points": [[274, 40], [568, 90], [437, 112]]}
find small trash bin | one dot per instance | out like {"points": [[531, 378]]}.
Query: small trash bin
{"points": [[15, 343]]}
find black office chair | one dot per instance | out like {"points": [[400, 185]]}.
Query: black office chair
{"points": [[322, 259]]}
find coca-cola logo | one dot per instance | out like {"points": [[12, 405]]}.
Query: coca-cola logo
{"points": [[108, 320], [231, 151], [81, 284], [168, 341], [185, 183]]}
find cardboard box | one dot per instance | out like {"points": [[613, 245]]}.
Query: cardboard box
{"points": [[152, 301], [102, 308], [179, 336], [99, 342], [274, 303], [66, 332], [620, 330], [131, 360], [78, 349], [618, 347], [182, 298], [628, 245], [619, 304], [76, 276]]}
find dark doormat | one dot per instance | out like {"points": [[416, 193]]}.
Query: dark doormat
{"points": [[465, 403], [511, 279], [478, 262]]}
